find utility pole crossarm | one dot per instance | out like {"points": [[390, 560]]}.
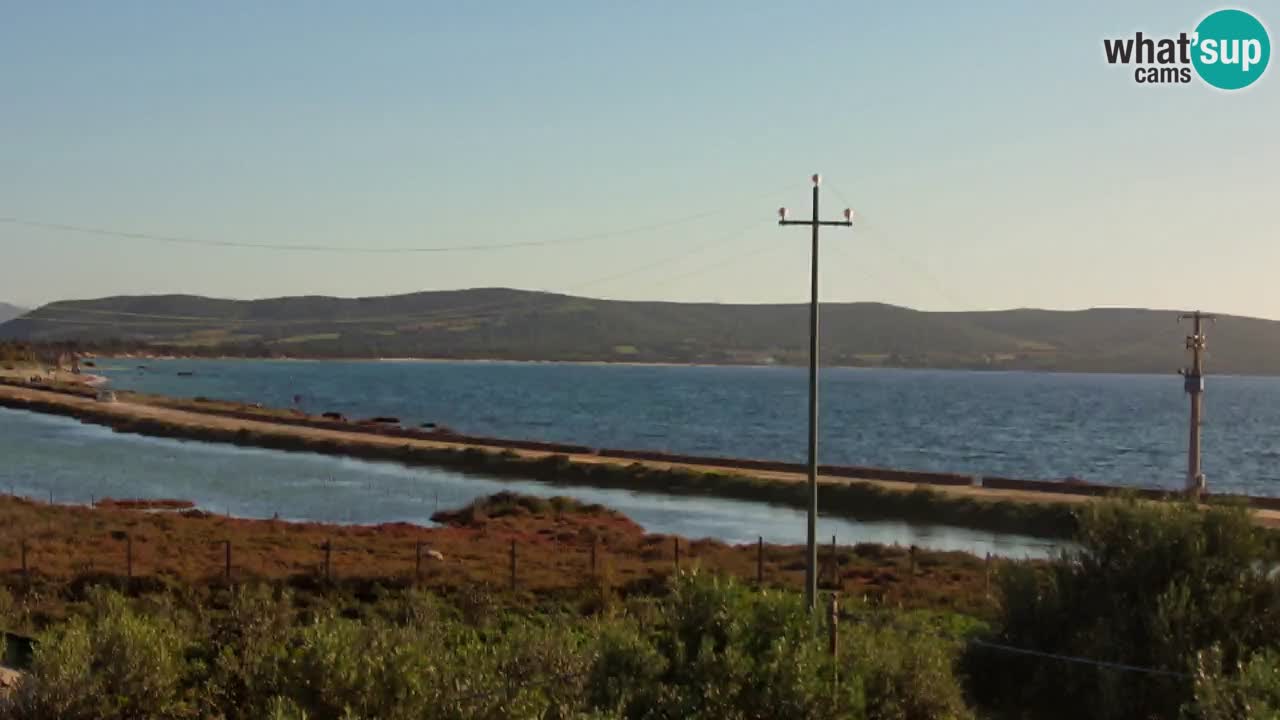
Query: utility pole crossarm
{"points": [[831, 223], [811, 550]]}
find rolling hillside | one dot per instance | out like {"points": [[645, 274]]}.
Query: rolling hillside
{"points": [[9, 312], [521, 325]]}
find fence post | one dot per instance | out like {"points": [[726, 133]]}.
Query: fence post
{"points": [[833, 625], [987, 576], [513, 565], [760, 561], [328, 559], [227, 568], [835, 570], [911, 576], [677, 553]]}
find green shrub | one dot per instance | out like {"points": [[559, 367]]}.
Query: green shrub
{"points": [[905, 673], [719, 650], [246, 647], [12, 614], [709, 649], [1152, 585], [1251, 691], [113, 664]]}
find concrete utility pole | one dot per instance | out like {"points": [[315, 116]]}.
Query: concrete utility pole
{"points": [[1193, 383], [811, 551]]}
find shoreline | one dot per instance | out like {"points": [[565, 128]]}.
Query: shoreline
{"points": [[563, 546], [1044, 509], [1022, 512], [659, 363]]}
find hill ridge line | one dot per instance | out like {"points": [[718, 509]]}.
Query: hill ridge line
{"points": [[509, 324]]}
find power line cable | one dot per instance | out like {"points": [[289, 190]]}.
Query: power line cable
{"points": [[1123, 667], [769, 244], [719, 242], [885, 620], [414, 317], [206, 242], [66, 313], [909, 263]]}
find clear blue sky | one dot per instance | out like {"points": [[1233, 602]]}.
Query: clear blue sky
{"points": [[998, 160]]}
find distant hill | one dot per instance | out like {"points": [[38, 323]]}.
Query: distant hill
{"points": [[521, 325], [9, 312]]}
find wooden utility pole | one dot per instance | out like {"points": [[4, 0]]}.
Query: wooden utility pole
{"points": [[1193, 383], [811, 550]]}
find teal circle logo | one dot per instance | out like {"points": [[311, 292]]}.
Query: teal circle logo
{"points": [[1231, 49]]}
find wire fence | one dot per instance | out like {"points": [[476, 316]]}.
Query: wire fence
{"points": [[39, 541], [51, 545], [837, 622], [219, 558]]}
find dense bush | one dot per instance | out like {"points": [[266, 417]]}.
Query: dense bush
{"points": [[114, 663], [709, 649], [1175, 588], [1249, 691], [1159, 611]]}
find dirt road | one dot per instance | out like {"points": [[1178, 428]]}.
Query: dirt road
{"points": [[191, 423]]}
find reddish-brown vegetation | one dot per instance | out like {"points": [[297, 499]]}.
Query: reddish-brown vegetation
{"points": [[553, 541]]}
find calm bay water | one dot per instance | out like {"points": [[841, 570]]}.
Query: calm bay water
{"points": [[42, 455], [1120, 429]]}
